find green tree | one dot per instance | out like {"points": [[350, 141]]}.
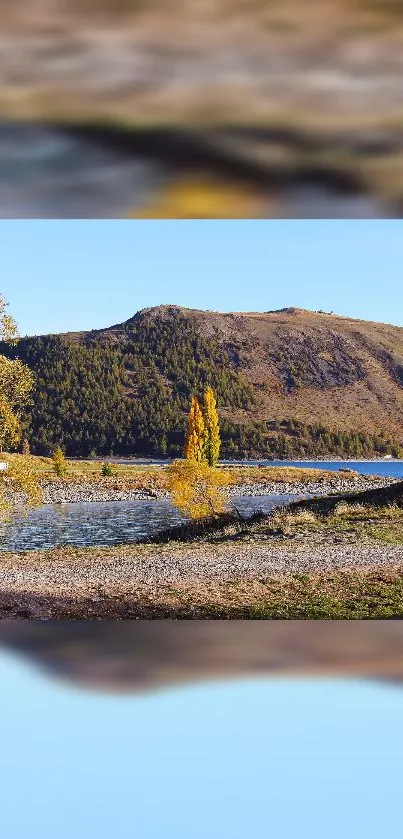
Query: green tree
{"points": [[18, 486]]}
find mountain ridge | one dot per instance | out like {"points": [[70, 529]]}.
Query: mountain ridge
{"points": [[282, 377]]}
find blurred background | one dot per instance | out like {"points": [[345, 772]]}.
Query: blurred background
{"points": [[201, 108], [196, 728]]}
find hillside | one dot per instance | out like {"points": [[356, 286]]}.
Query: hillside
{"points": [[289, 383]]}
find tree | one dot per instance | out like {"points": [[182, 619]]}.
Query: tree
{"points": [[18, 486], [212, 441], [59, 462], [197, 489], [195, 438], [16, 383]]}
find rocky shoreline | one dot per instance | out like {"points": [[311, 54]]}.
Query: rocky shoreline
{"points": [[135, 581], [60, 492]]}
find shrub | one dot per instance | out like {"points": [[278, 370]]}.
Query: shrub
{"points": [[59, 462], [107, 470]]}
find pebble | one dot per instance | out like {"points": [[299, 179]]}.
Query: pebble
{"points": [[122, 569], [58, 492]]}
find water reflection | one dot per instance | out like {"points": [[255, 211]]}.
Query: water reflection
{"points": [[130, 656], [45, 173]]}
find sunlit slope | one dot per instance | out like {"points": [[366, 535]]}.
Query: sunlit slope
{"points": [[289, 383]]}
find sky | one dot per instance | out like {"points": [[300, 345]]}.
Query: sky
{"points": [[73, 275], [256, 758]]}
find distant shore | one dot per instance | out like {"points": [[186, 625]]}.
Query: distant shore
{"points": [[85, 491]]}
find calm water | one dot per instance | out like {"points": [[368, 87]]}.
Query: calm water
{"points": [[45, 173], [286, 757], [384, 468], [105, 523]]}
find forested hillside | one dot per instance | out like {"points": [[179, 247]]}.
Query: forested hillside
{"points": [[288, 384]]}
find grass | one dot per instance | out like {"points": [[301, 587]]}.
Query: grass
{"points": [[364, 594], [339, 596], [362, 522]]}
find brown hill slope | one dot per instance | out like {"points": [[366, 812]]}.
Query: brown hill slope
{"points": [[289, 383], [315, 367]]}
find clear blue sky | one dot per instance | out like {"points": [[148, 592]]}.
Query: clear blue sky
{"points": [[67, 275], [271, 758]]}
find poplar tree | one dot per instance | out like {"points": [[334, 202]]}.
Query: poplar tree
{"points": [[195, 438], [212, 441]]}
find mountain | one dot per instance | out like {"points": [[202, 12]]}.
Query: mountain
{"points": [[289, 383]]}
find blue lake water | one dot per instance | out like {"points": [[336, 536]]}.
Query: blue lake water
{"points": [[385, 468], [105, 523], [281, 757]]}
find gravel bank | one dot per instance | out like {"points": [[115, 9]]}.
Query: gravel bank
{"points": [[310, 487], [59, 492], [121, 570]]}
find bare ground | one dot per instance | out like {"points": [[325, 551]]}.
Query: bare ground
{"points": [[177, 580]]}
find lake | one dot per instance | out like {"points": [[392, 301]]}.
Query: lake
{"points": [[383, 468], [106, 523]]}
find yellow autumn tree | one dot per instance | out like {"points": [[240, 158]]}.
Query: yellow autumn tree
{"points": [[59, 462], [212, 441], [194, 445], [197, 489], [17, 483]]}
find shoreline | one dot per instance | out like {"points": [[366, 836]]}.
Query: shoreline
{"points": [[201, 581], [338, 556], [86, 491]]}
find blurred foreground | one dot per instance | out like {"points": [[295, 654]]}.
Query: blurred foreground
{"points": [[295, 756], [143, 655], [222, 108]]}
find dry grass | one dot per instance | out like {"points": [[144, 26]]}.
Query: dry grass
{"points": [[287, 521], [287, 474], [139, 475]]}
